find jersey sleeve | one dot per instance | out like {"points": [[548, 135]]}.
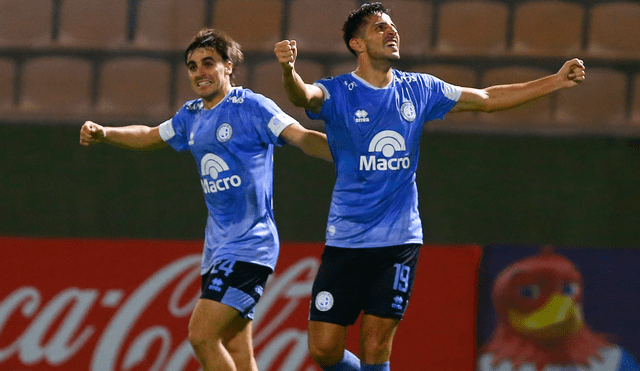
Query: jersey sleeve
{"points": [[442, 96], [268, 119], [173, 131], [327, 86]]}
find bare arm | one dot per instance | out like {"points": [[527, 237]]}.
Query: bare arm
{"points": [[138, 137], [303, 95], [501, 97], [311, 142]]}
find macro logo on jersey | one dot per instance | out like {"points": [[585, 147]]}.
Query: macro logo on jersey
{"points": [[212, 165], [387, 142]]}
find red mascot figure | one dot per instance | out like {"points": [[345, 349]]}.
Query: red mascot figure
{"points": [[540, 323]]}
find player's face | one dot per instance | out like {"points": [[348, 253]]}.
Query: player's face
{"points": [[209, 75], [381, 38]]}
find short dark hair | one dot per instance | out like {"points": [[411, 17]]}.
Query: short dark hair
{"points": [[223, 44], [357, 18]]}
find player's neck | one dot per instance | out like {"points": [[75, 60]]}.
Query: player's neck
{"points": [[213, 100], [378, 74]]}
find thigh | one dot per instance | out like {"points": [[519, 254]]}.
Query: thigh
{"points": [[327, 335], [376, 338], [237, 338], [211, 319], [327, 342], [216, 323]]}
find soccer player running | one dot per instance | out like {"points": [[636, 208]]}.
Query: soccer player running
{"points": [[374, 118], [231, 133]]}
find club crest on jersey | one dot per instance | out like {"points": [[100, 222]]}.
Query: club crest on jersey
{"points": [[212, 165], [408, 111], [224, 132], [361, 116], [387, 142]]}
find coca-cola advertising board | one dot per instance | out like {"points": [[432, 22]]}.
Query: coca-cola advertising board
{"points": [[115, 305]]}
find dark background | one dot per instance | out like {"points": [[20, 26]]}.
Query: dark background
{"points": [[474, 188]]}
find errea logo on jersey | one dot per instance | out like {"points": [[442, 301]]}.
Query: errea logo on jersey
{"points": [[386, 142], [212, 165], [361, 116]]}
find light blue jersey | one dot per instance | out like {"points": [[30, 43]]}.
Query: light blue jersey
{"points": [[374, 137], [233, 144]]}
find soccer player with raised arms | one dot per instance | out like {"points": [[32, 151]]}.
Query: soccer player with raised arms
{"points": [[231, 132], [374, 118]]}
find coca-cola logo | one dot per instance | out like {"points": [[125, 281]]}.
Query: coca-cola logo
{"points": [[109, 329], [124, 305]]}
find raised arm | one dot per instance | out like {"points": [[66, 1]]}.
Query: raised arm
{"points": [[311, 142], [501, 97], [309, 97], [138, 137]]}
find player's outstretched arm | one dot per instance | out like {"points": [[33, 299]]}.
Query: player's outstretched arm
{"points": [[501, 97], [138, 137], [311, 142], [303, 95]]}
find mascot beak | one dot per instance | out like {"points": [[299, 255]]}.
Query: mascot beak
{"points": [[558, 318]]}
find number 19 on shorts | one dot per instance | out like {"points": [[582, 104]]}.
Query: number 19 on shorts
{"points": [[401, 281]]}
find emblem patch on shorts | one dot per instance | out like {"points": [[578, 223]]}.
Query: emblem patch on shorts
{"points": [[324, 301], [224, 132]]}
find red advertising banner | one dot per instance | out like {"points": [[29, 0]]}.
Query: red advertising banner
{"points": [[115, 305]]}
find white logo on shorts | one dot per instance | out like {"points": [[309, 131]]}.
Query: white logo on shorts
{"points": [[324, 301]]}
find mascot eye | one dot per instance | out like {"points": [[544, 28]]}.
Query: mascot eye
{"points": [[530, 292], [570, 288]]}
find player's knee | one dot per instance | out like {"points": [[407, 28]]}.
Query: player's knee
{"points": [[198, 340], [242, 357], [325, 353], [375, 349]]}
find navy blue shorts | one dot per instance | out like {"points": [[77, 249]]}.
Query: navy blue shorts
{"points": [[237, 284], [377, 281]]}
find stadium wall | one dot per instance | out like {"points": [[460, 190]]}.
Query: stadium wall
{"points": [[474, 188]]}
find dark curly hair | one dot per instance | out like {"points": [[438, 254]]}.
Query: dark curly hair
{"points": [[357, 18]]}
